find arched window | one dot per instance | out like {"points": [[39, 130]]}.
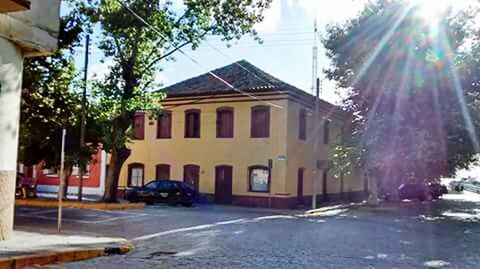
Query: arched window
{"points": [[225, 122], [162, 171], [302, 125], [136, 174], [260, 122], [164, 125], [259, 178], [192, 123]]}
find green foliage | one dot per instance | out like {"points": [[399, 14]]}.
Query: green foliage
{"points": [[408, 86], [48, 102]]}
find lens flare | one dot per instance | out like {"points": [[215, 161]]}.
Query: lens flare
{"points": [[431, 10]]}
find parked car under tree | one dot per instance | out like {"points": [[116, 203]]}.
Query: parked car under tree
{"points": [[421, 191]]}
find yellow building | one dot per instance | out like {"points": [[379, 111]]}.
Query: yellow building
{"points": [[247, 145]]}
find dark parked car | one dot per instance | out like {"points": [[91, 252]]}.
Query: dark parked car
{"points": [[163, 191], [437, 189], [412, 191]]}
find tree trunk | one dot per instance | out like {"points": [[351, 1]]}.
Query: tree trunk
{"points": [[342, 187], [67, 172], [117, 159], [80, 183]]}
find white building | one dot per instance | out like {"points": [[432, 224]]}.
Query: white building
{"points": [[27, 29]]}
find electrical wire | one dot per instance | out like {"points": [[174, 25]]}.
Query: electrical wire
{"points": [[192, 59]]}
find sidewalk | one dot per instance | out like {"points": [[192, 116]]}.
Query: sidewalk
{"points": [[53, 203], [26, 248]]}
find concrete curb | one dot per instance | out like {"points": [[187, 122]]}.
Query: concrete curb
{"points": [[62, 255], [75, 204]]}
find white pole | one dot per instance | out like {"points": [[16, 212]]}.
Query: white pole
{"points": [[315, 146], [62, 182], [315, 88]]}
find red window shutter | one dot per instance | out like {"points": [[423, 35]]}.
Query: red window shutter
{"points": [[139, 125], [302, 125], [225, 122], [164, 125], [162, 171], [196, 124], [326, 132], [192, 123], [260, 122]]}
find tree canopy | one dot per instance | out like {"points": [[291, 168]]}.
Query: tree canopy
{"points": [[409, 80]]}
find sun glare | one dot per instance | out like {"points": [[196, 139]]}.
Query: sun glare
{"points": [[431, 10]]}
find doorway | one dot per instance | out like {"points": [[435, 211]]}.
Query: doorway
{"points": [[191, 175], [223, 184]]}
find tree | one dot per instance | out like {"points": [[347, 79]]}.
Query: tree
{"points": [[49, 104], [137, 49], [404, 77]]}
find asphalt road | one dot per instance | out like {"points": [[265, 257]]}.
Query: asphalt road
{"points": [[412, 235]]}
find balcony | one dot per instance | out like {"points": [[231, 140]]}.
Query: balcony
{"points": [[14, 5]]}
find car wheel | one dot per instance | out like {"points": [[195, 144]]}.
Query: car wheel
{"points": [[172, 200]]}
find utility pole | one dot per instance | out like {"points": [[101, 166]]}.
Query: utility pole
{"points": [[62, 182], [315, 144], [315, 88], [83, 120], [315, 56]]}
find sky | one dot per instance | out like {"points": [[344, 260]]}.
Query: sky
{"points": [[286, 53]]}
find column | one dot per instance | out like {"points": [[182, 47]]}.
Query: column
{"points": [[11, 67]]}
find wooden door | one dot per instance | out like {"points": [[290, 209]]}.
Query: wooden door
{"points": [[191, 175], [300, 186], [223, 184]]}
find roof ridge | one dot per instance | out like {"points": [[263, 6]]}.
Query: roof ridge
{"points": [[236, 74]]}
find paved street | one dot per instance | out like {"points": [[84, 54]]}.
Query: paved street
{"points": [[443, 232]]}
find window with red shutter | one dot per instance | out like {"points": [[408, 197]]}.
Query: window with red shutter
{"points": [[164, 125], [162, 171], [260, 122], [135, 174], [225, 122], [302, 125], [192, 123], [326, 132], [139, 125]]}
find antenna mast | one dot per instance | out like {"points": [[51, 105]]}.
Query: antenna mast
{"points": [[314, 57]]}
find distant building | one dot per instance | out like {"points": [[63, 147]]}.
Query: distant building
{"points": [[253, 148], [93, 181]]}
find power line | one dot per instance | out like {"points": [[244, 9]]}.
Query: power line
{"points": [[259, 47], [192, 59]]}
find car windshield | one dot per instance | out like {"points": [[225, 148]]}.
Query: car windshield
{"points": [[152, 185], [240, 133]]}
